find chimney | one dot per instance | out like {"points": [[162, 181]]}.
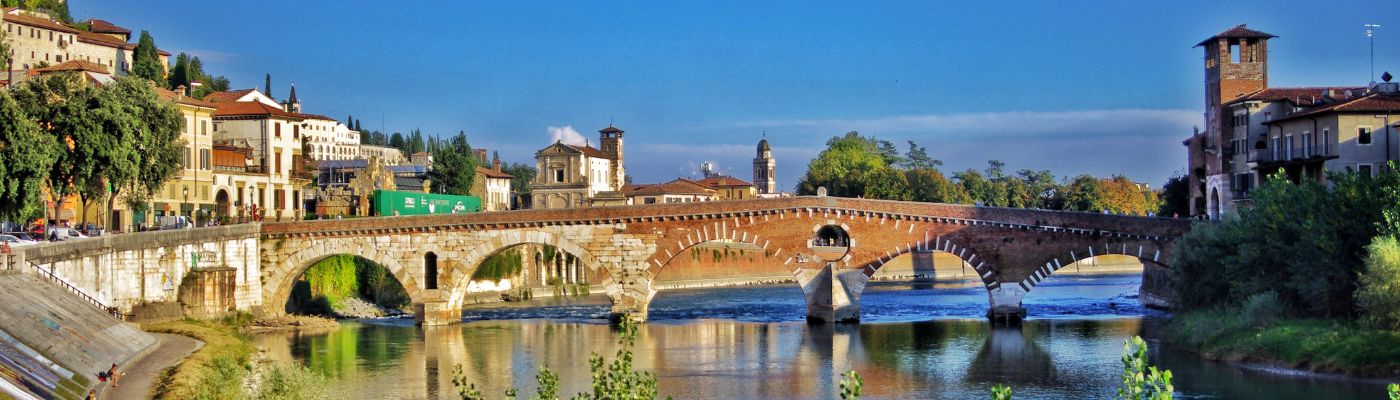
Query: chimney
{"points": [[481, 155], [182, 91], [496, 164]]}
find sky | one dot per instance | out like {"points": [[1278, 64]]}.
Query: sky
{"points": [[1096, 87]]}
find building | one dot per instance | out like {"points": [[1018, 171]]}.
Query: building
{"points": [[765, 169], [729, 188], [580, 176], [274, 135], [345, 187], [491, 184], [680, 190], [388, 155], [1253, 130], [39, 40]]}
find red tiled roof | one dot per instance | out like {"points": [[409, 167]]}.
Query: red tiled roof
{"points": [[679, 186], [1302, 95], [251, 109], [1370, 103], [1239, 31], [132, 47], [37, 22], [187, 100], [591, 152], [104, 40], [316, 116], [722, 181], [610, 129], [101, 26], [225, 96], [72, 65], [491, 173]]}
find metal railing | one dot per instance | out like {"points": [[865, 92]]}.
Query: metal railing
{"points": [[44, 273], [1296, 153]]}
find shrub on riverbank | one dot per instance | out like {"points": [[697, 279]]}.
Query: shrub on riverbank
{"points": [[293, 383], [1318, 345], [1379, 293]]}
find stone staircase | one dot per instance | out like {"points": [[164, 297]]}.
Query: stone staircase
{"points": [[53, 342]]}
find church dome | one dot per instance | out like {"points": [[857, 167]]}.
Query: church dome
{"points": [[763, 145]]}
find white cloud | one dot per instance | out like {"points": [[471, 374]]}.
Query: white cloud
{"points": [[566, 134], [1006, 123]]}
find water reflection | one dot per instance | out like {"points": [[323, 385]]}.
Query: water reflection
{"points": [[778, 358]]}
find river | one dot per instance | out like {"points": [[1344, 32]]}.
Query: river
{"points": [[915, 341]]}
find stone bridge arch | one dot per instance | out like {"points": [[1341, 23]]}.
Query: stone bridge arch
{"points": [[476, 253], [287, 259]]}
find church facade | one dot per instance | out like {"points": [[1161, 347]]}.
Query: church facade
{"points": [[571, 176]]}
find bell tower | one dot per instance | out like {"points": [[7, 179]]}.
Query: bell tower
{"points": [[610, 142], [764, 169], [1237, 64]]}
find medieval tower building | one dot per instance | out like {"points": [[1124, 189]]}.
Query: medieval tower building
{"points": [[764, 177]]}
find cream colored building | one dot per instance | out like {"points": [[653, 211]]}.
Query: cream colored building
{"points": [[729, 188], [37, 39], [570, 176], [1355, 134], [677, 191], [387, 155], [274, 135]]}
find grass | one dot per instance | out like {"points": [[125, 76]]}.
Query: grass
{"points": [[1334, 346], [216, 371]]}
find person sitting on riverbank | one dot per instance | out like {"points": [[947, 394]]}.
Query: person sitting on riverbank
{"points": [[113, 375]]}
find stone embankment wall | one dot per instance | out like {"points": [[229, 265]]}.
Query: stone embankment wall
{"points": [[128, 270]]}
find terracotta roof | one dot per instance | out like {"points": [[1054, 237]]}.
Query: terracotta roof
{"points": [[316, 116], [37, 22], [491, 173], [72, 65], [101, 26], [722, 181], [1304, 96], [610, 129], [630, 188], [132, 47], [187, 100], [1370, 103], [591, 152], [225, 96], [679, 186], [251, 108], [1239, 31]]}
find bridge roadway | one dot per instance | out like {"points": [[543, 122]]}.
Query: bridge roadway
{"points": [[832, 246], [1011, 249]]}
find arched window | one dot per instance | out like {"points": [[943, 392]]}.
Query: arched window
{"points": [[430, 270], [831, 235]]}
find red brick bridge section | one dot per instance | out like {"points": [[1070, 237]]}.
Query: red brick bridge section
{"points": [[832, 246]]}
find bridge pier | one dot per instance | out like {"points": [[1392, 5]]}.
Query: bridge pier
{"points": [[431, 313], [630, 299], [833, 294], [1006, 305]]}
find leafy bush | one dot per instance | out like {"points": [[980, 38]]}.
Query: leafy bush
{"points": [[1001, 392], [1394, 391], [850, 385], [293, 383], [1303, 241], [1262, 309], [498, 266], [1379, 293], [1140, 380], [334, 278]]}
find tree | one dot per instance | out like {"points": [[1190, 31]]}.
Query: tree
{"points": [[28, 155], [397, 142], [267, 84], [157, 144], [842, 167], [929, 185], [146, 60], [1084, 193], [1379, 293], [1121, 195], [917, 158], [59, 104], [188, 70], [523, 174], [454, 166]]}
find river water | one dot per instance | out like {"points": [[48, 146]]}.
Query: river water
{"points": [[922, 341]]}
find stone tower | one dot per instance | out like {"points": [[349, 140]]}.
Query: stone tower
{"points": [[610, 142], [764, 169], [1236, 64], [293, 105]]}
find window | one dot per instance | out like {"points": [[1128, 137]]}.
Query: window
{"points": [[430, 271], [1364, 169], [186, 161], [277, 129], [1363, 135], [296, 131], [1288, 146], [204, 159], [277, 156], [204, 127], [1326, 142], [558, 176]]}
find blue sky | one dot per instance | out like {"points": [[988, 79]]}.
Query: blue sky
{"points": [[1106, 87]]}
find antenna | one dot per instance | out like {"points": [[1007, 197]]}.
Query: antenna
{"points": [[1371, 34]]}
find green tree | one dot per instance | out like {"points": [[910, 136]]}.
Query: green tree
{"points": [[454, 166], [116, 125], [267, 84], [522, 175], [929, 185], [159, 145], [917, 158], [1175, 197], [396, 141], [28, 155], [60, 104], [145, 61], [843, 167], [977, 187], [1084, 193], [1379, 293]]}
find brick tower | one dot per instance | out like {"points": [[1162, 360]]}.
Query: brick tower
{"points": [[1236, 64]]}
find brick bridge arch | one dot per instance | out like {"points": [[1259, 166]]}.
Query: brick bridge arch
{"points": [[1011, 249], [285, 261]]}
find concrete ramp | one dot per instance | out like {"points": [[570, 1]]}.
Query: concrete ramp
{"points": [[53, 344]]}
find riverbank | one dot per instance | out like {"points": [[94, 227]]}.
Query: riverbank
{"points": [[1328, 346], [222, 368]]}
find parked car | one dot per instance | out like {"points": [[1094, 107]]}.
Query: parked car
{"points": [[13, 241], [76, 234], [23, 236]]}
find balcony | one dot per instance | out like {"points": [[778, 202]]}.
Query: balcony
{"points": [[1289, 155]]}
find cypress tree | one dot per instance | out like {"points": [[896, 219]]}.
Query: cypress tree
{"points": [[146, 60]]}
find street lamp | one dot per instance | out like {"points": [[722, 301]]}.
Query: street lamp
{"points": [[185, 191]]}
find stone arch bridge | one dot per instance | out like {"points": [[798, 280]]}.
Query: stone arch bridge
{"points": [[832, 246]]}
